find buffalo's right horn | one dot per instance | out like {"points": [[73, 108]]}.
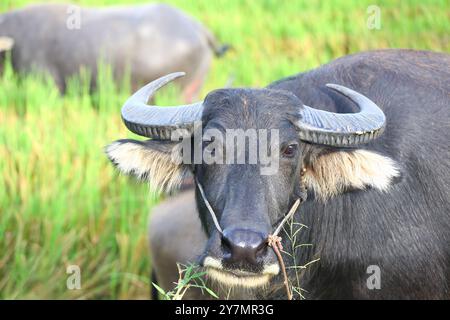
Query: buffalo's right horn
{"points": [[158, 122], [342, 129]]}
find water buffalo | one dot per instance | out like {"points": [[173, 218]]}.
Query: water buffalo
{"points": [[147, 41], [371, 154]]}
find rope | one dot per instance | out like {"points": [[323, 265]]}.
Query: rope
{"points": [[275, 243], [287, 217], [210, 209]]}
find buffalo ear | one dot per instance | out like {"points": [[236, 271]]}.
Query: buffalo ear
{"points": [[6, 43], [152, 161], [332, 172]]}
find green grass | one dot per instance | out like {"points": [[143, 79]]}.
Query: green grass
{"points": [[61, 202], [190, 276]]}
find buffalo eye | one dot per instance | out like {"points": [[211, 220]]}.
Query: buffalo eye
{"points": [[289, 151], [207, 147]]}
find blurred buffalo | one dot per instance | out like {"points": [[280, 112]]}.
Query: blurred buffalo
{"points": [[146, 41]]}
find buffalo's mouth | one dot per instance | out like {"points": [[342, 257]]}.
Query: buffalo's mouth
{"points": [[239, 278]]}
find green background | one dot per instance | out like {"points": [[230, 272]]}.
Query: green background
{"points": [[62, 203]]}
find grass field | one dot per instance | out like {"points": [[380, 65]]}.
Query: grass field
{"points": [[61, 202]]}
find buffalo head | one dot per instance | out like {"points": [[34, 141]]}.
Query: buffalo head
{"points": [[246, 149]]}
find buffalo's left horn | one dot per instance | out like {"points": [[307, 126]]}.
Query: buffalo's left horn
{"points": [[158, 122], [342, 129]]}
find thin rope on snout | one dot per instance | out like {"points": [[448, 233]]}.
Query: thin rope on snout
{"points": [[287, 217], [210, 209], [274, 241]]}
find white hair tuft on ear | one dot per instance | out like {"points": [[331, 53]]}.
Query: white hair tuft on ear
{"points": [[145, 163], [334, 173]]}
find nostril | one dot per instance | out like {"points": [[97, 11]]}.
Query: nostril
{"points": [[261, 250], [226, 244]]}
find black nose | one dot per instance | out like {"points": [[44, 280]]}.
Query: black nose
{"points": [[243, 245]]}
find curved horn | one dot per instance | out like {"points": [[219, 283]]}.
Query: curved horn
{"points": [[158, 122], [343, 129]]}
